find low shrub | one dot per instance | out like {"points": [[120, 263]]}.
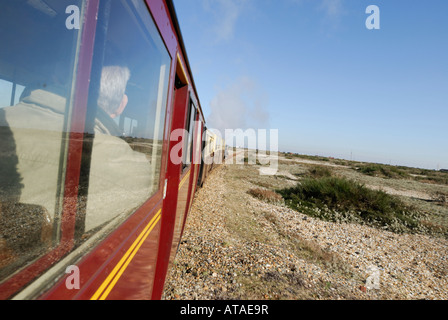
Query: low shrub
{"points": [[382, 171], [319, 172], [342, 200]]}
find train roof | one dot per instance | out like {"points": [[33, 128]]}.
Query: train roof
{"points": [[175, 21]]}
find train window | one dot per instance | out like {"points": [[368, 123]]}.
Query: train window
{"points": [[126, 114], [37, 63], [197, 157], [185, 141], [188, 142], [193, 128]]}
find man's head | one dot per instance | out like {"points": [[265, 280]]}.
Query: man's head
{"points": [[112, 98]]}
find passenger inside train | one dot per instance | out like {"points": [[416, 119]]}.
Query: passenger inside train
{"points": [[123, 134]]}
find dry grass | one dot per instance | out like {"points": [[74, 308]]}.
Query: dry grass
{"points": [[266, 195], [440, 197]]}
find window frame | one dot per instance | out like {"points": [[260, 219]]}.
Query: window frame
{"points": [[109, 249], [157, 194], [187, 148], [35, 269]]}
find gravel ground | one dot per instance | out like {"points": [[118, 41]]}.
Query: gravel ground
{"points": [[237, 247]]}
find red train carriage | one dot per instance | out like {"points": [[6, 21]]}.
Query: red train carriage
{"points": [[91, 204]]}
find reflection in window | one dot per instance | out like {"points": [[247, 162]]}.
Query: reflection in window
{"points": [[36, 71], [199, 129], [190, 134], [127, 102], [187, 150], [10, 93]]}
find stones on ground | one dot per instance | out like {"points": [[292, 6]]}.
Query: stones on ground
{"points": [[226, 262]]}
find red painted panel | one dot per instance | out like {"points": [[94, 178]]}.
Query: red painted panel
{"points": [[96, 266], [137, 281], [182, 201], [144, 276], [164, 23], [170, 202], [194, 172], [103, 253]]}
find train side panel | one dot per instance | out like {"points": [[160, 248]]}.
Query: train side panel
{"points": [[96, 249]]}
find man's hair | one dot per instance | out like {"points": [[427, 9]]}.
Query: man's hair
{"points": [[113, 85]]}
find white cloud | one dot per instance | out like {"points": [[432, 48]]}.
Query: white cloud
{"points": [[225, 15], [242, 105], [332, 8]]}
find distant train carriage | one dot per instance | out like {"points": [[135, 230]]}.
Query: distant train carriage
{"points": [[213, 147], [91, 204]]}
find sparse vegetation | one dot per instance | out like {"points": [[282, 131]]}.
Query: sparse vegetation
{"points": [[402, 172], [379, 170], [266, 195], [342, 200], [262, 250], [440, 197], [319, 172], [433, 177], [308, 157], [248, 160]]}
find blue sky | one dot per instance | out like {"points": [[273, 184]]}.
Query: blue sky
{"points": [[312, 70]]}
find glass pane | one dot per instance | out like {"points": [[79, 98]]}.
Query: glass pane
{"points": [[190, 135], [36, 77], [186, 138], [199, 129], [127, 105]]}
